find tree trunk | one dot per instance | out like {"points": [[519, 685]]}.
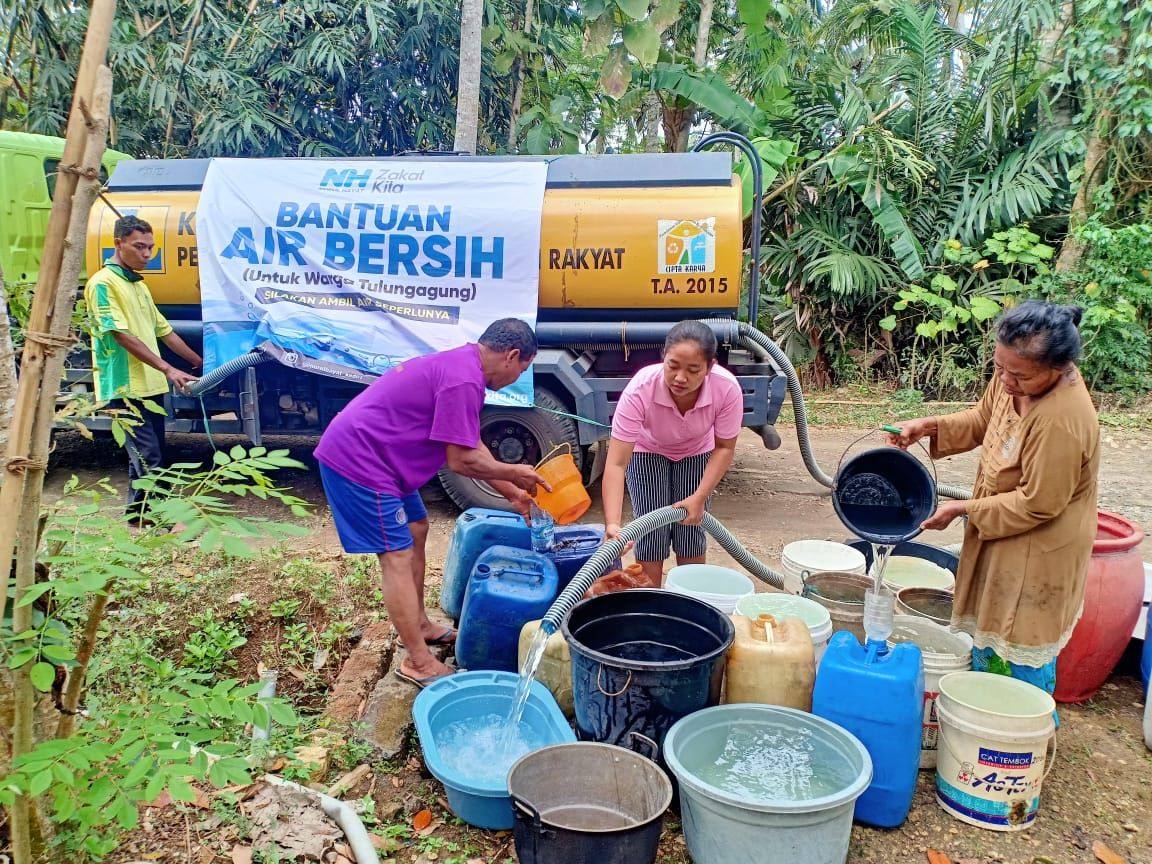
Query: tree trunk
{"points": [[468, 79], [7, 372], [518, 92], [651, 113], [703, 27], [678, 120], [1095, 163]]}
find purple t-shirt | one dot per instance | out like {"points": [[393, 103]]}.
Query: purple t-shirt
{"points": [[393, 437]]}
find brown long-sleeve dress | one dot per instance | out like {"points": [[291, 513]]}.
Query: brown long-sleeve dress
{"points": [[1032, 520]]}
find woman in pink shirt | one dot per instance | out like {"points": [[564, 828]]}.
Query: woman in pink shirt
{"points": [[673, 438]]}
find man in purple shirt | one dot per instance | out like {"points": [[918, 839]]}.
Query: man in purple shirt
{"points": [[391, 440]]}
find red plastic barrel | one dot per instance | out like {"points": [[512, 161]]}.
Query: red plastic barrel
{"points": [[1112, 601]]}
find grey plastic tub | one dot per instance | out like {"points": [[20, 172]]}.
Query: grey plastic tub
{"points": [[722, 825]]}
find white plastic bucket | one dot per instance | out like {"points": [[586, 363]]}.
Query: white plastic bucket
{"points": [[718, 586], [787, 606], [993, 756], [727, 823], [907, 571], [818, 556], [944, 652]]}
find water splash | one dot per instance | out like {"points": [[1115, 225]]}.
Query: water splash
{"points": [[880, 555], [524, 686], [480, 748]]}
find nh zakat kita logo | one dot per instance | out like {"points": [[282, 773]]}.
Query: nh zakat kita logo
{"points": [[390, 179], [686, 245]]}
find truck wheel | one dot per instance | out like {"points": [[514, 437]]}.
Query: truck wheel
{"points": [[515, 435]]}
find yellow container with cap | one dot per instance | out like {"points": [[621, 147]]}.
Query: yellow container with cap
{"points": [[771, 662]]}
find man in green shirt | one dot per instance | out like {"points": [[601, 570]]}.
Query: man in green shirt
{"points": [[125, 354]]}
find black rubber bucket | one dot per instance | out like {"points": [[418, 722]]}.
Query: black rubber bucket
{"points": [[587, 803], [883, 495], [641, 660]]}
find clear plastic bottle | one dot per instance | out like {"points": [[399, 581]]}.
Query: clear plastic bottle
{"points": [[879, 609], [543, 529]]}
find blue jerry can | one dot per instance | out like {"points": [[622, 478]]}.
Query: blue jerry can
{"points": [[877, 694], [575, 544], [509, 587], [477, 530]]}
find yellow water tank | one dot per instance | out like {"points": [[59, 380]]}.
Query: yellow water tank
{"points": [[771, 662]]}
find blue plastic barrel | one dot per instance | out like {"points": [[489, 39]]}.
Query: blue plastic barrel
{"points": [[508, 588], [877, 694]]}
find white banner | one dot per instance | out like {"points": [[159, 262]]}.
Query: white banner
{"points": [[352, 266]]}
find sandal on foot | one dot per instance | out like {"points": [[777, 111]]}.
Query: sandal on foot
{"points": [[420, 682], [447, 637]]}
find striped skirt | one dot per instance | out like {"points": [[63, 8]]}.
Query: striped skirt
{"points": [[655, 481]]}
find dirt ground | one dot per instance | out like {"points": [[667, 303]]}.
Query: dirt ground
{"points": [[1100, 790]]}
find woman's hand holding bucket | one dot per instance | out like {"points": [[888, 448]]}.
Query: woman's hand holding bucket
{"points": [[907, 432], [946, 513]]}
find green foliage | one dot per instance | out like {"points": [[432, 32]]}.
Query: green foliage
{"points": [[139, 749], [943, 332], [1113, 285], [1107, 65], [149, 717]]}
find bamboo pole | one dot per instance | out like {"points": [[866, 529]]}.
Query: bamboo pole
{"points": [[47, 331], [42, 366], [28, 530]]}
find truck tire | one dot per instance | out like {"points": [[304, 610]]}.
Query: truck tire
{"points": [[514, 435]]}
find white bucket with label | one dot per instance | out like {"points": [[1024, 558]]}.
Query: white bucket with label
{"points": [[944, 652], [995, 733]]}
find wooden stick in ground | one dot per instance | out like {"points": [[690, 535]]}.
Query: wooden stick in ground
{"points": [[52, 354], [44, 326], [86, 193]]}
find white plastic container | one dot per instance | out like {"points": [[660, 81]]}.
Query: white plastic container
{"points": [[1147, 722], [721, 587], [995, 732], [724, 825], [943, 652], [817, 618], [906, 571], [818, 556]]}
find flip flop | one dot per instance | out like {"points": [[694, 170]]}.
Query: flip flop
{"points": [[420, 682], [448, 637]]}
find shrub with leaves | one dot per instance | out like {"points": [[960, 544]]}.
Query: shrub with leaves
{"points": [[948, 318], [1113, 284], [152, 726]]}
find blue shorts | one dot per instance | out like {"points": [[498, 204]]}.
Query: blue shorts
{"points": [[370, 522]]}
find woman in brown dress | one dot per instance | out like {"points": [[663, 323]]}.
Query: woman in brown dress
{"points": [[1032, 515]]}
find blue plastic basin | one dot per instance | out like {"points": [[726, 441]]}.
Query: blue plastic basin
{"points": [[465, 695]]}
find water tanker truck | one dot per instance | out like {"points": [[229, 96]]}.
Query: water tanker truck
{"points": [[629, 244]]}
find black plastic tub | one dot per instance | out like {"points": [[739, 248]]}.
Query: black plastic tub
{"points": [[641, 660]]}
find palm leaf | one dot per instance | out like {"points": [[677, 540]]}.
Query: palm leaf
{"points": [[848, 170]]}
